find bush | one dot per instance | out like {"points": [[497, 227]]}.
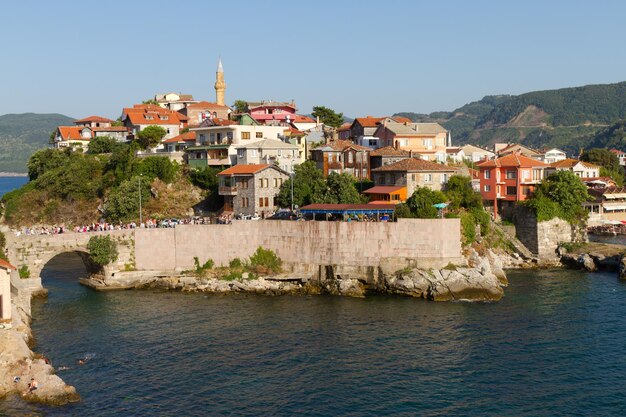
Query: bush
{"points": [[468, 227], [102, 250], [235, 263], [265, 261], [24, 272], [157, 167], [209, 264]]}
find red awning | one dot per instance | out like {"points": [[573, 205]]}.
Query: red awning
{"points": [[383, 189]]}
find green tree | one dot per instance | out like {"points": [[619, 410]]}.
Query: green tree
{"points": [[150, 101], [205, 178], [340, 190], [560, 195], [328, 116], [308, 186], [602, 157], [422, 201], [461, 194], [123, 202], [79, 178], [241, 106], [45, 160], [103, 144], [102, 250], [156, 167], [151, 136]]}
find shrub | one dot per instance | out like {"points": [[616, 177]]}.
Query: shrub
{"points": [[209, 264], [102, 250], [24, 272], [265, 261], [235, 263], [468, 227]]}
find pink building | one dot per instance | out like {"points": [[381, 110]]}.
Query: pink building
{"points": [[267, 112]]}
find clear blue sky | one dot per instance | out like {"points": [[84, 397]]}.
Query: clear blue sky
{"points": [[357, 57]]}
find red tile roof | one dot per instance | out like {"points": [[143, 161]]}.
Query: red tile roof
{"points": [[570, 163], [243, 169], [110, 129], [140, 114], [368, 121], [298, 118], [4, 264], [185, 137], [512, 160], [294, 132], [414, 164], [72, 132], [401, 119], [96, 119], [389, 151], [207, 105]]}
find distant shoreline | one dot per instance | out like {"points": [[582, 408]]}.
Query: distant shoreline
{"points": [[13, 174]]}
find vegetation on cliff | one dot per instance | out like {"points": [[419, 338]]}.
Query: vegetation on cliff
{"points": [[75, 188]]}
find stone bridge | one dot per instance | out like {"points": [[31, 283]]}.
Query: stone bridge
{"points": [[35, 251]]}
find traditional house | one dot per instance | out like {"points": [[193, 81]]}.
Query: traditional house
{"points": [[174, 101], [251, 189], [5, 293], [412, 173], [303, 123], [75, 137], [429, 140], [269, 151], [609, 203], [298, 138], [506, 180], [580, 168], [474, 153], [341, 156], [363, 129], [387, 156], [140, 116], [502, 149], [455, 154], [268, 112], [94, 121], [181, 142], [200, 111], [201, 156]]}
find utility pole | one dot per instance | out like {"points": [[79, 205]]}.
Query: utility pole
{"points": [[292, 178], [140, 213]]}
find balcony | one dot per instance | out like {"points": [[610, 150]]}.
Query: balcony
{"points": [[223, 190]]}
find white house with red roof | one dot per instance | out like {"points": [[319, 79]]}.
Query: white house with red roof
{"points": [[621, 155], [140, 116]]}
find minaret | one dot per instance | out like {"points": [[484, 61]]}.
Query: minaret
{"points": [[220, 85]]}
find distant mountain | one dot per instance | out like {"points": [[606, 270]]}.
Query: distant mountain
{"points": [[568, 118], [23, 134]]}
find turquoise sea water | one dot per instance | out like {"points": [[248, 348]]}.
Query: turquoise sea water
{"points": [[555, 345]]}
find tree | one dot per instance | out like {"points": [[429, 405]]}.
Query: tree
{"points": [[461, 194], [328, 116], [608, 161], [241, 106], [150, 101], [45, 160], [340, 190], [103, 144], [151, 136], [123, 202], [422, 201], [157, 167], [102, 250], [308, 186], [560, 195]]}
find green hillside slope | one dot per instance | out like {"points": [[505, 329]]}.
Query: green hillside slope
{"points": [[568, 118], [23, 134]]}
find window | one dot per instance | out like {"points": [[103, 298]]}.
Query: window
{"points": [[149, 117], [511, 174], [219, 138], [211, 137], [350, 157], [259, 135], [525, 174], [487, 188], [266, 182], [280, 153], [364, 173], [511, 190], [245, 135], [229, 135], [267, 202], [393, 178], [253, 153], [240, 153], [444, 178], [168, 130], [428, 143], [330, 157], [428, 177], [164, 117], [537, 174], [275, 182], [260, 201], [202, 138]]}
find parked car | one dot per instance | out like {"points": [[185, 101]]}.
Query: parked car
{"points": [[284, 215]]}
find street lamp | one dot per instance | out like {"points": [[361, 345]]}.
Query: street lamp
{"points": [[291, 178], [140, 213]]}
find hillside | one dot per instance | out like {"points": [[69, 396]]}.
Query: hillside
{"points": [[23, 134], [568, 118]]}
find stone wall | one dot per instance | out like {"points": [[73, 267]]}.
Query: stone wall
{"points": [[424, 243], [543, 238]]}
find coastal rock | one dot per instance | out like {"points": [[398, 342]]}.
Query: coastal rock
{"points": [[622, 267], [587, 262]]}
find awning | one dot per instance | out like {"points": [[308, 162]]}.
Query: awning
{"points": [[383, 189]]}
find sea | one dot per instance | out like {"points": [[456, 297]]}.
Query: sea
{"points": [[554, 345], [10, 183]]}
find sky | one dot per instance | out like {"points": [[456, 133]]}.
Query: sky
{"points": [[357, 57]]}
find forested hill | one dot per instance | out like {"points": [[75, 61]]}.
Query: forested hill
{"points": [[568, 118], [23, 134]]}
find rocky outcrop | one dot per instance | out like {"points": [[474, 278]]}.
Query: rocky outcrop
{"points": [[622, 267], [18, 364]]}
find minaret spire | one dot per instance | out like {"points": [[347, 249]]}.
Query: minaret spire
{"points": [[220, 85]]}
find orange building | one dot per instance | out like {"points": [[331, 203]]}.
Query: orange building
{"points": [[505, 181]]}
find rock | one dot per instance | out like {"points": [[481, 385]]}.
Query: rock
{"points": [[622, 267], [587, 262]]}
